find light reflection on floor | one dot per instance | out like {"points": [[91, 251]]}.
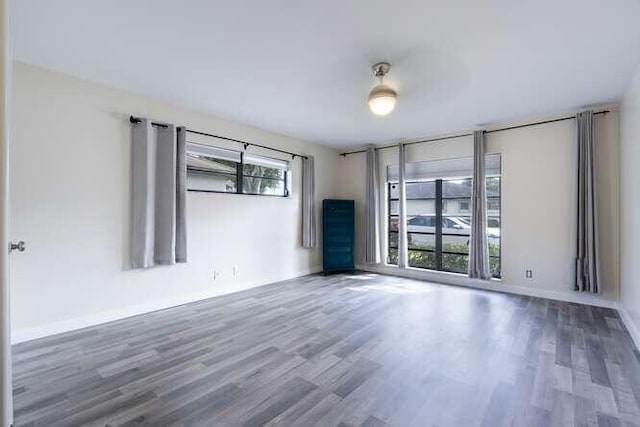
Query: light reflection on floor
{"points": [[392, 287]]}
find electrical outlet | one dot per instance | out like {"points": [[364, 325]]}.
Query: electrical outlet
{"points": [[528, 274], [216, 274], [235, 270]]}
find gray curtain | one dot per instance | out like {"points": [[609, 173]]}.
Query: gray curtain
{"points": [[478, 244], [181, 196], [158, 227], [402, 208], [309, 237], [587, 263], [372, 209]]}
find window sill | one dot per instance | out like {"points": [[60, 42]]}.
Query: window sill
{"points": [[449, 274], [239, 194], [438, 273]]}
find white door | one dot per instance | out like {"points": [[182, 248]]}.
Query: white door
{"points": [[6, 408]]}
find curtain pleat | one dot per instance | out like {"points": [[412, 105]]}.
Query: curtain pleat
{"points": [[143, 158], [587, 262], [181, 196], [309, 233], [372, 208], [158, 195], [165, 200], [478, 244]]}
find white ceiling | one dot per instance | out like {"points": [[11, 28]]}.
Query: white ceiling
{"points": [[302, 67]]}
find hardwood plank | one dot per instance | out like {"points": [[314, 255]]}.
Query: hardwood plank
{"points": [[345, 350]]}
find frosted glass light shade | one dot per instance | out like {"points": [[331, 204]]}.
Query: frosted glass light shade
{"points": [[382, 100]]}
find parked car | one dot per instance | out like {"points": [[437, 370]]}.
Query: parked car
{"points": [[493, 229], [493, 226], [456, 229]]}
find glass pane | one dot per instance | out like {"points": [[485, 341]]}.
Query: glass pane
{"points": [[494, 242], [494, 223], [456, 189], [493, 204], [456, 225], [493, 186], [421, 241], [456, 217], [205, 150], [209, 164], [455, 263], [394, 191], [393, 257], [393, 240], [420, 259], [262, 171], [257, 185], [394, 207], [207, 173], [456, 234], [457, 207], [421, 190], [494, 266], [421, 214], [267, 162], [393, 223], [456, 243], [206, 181]]}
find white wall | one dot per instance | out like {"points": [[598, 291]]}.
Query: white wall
{"points": [[537, 204], [70, 193], [630, 207]]}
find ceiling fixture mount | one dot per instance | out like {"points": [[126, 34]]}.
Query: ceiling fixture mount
{"points": [[382, 99]]}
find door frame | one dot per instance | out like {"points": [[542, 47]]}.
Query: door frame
{"points": [[6, 66]]}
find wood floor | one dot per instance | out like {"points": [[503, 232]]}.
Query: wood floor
{"points": [[344, 350]]}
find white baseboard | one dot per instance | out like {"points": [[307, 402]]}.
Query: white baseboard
{"points": [[54, 328], [491, 285], [630, 325]]}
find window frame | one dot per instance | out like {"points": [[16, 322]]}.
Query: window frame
{"points": [[239, 174], [438, 233]]}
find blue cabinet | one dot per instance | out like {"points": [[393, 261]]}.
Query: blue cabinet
{"points": [[338, 235]]}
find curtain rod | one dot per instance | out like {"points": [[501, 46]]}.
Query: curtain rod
{"points": [[384, 147], [246, 144]]}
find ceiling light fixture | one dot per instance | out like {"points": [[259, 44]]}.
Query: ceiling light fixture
{"points": [[382, 99]]}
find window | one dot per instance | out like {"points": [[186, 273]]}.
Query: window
{"points": [[439, 214], [493, 223], [261, 175], [212, 169], [218, 170]]}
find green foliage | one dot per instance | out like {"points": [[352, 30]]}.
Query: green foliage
{"points": [[262, 178], [457, 263], [422, 259], [493, 186]]}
